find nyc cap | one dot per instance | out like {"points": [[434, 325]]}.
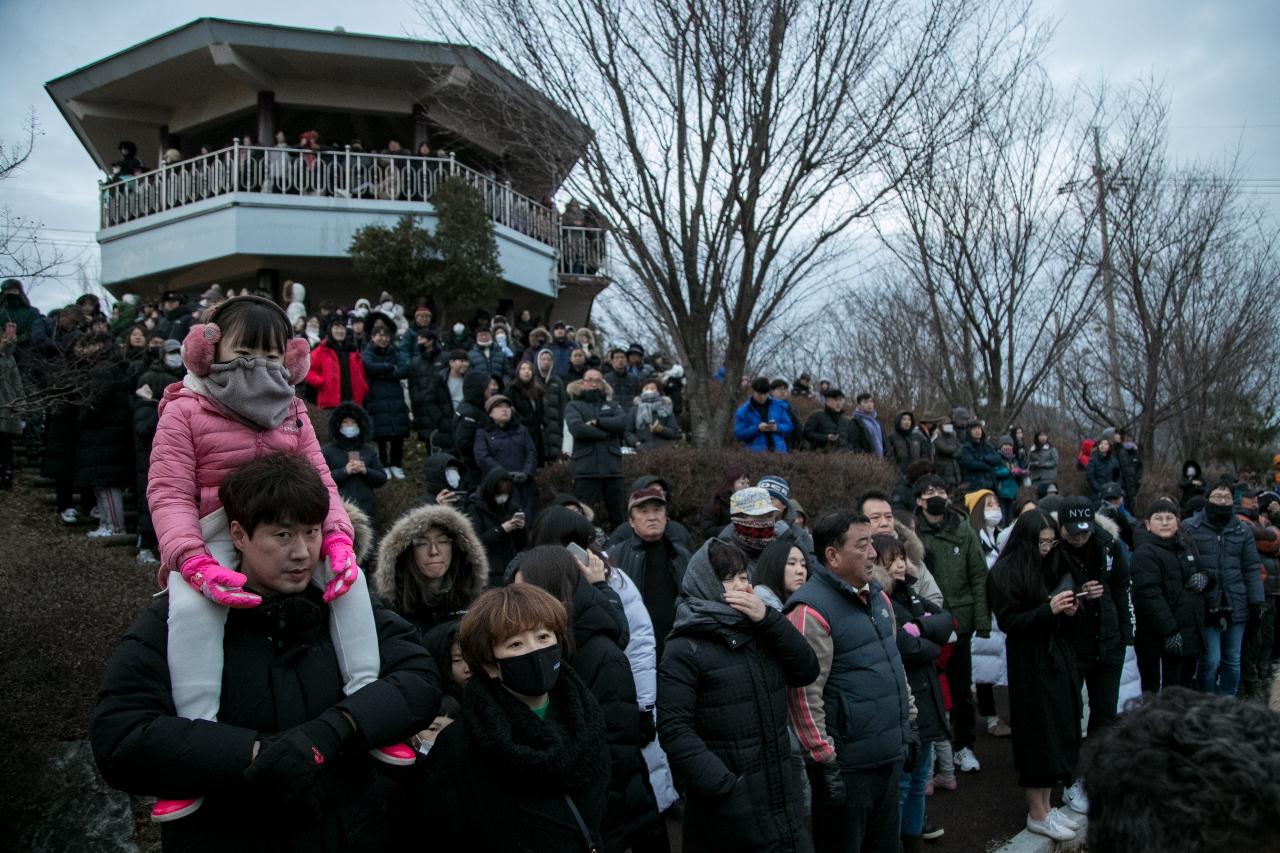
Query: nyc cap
{"points": [[1076, 514]]}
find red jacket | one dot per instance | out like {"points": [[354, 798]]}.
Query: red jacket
{"points": [[326, 377]]}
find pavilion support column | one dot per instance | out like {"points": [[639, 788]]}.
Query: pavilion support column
{"points": [[269, 282], [421, 130], [266, 118]]}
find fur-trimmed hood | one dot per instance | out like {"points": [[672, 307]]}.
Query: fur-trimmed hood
{"points": [[362, 537], [414, 524], [913, 546], [575, 390]]}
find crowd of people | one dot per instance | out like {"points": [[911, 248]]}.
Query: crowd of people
{"points": [[524, 680]]}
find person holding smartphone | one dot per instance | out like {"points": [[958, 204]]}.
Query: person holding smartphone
{"points": [[1035, 597]]}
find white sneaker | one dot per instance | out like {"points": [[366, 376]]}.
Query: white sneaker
{"points": [[1049, 828], [966, 761], [397, 472], [102, 532], [1066, 820], [147, 558], [1076, 798], [69, 515]]}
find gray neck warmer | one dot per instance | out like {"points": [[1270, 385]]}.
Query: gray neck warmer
{"points": [[253, 389]]}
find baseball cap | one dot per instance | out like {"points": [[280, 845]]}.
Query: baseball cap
{"points": [[494, 401], [752, 500], [1076, 514], [1111, 491], [648, 493]]}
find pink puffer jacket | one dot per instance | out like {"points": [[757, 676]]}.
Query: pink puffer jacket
{"points": [[196, 445]]}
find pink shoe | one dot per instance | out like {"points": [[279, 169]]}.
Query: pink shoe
{"points": [[399, 754], [946, 783], [928, 788], [167, 810]]}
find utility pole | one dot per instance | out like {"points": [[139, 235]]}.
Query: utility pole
{"points": [[1108, 279]]}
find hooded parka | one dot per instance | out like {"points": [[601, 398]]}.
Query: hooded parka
{"points": [[357, 488], [722, 719]]}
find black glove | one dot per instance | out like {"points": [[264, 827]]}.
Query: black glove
{"points": [[831, 784], [645, 729], [290, 762], [1173, 644], [1255, 613], [519, 478], [913, 752], [1197, 582]]}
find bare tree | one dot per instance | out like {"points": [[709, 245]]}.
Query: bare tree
{"points": [[993, 277], [1195, 266], [23, 252], [733, 143]]}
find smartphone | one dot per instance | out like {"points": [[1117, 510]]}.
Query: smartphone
{"points": [[578, 552]]}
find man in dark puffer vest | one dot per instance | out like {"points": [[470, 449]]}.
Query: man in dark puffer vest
{"points": [[852, 721]]}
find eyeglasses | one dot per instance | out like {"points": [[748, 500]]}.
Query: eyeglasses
{"points": [[1048, 544], [435, 543]]}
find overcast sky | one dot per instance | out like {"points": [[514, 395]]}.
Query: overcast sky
{"points": [[1218, 61]]}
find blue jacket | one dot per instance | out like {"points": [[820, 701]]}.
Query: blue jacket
{"points": [[978, 464], [865, 696], [1231, 558], [746, 426]]}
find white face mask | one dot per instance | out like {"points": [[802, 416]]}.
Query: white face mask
{"points": [[993, 517], [349, 431], [1191, 472], [458, 328], [452, 478], [313, 331], [502, 340], [387, 306], [173, 360], [501, 499]]}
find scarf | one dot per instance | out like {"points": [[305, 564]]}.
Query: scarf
{"points": [[702, 595], [752, 534], [253, 389], [648, 409]]}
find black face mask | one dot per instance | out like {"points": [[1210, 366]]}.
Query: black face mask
{"points": [[593, 396], [533, 673], [13, 301], [935, 505], [1218, 514]]}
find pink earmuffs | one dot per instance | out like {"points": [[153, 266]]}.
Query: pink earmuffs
{"points": [[200, 349]]}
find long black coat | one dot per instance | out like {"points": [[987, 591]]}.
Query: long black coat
{"points": [[1044, 683], [467, 421], [61, 442], [279, 671], [384, 368], [432, 404], [357, 488], [1162, 603], [824, 423], [597, 450], [497, 779], [530, 414], [722, 720], [553, 402], [600, 662], [104, 453]]}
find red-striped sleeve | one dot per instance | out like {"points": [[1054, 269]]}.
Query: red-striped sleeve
{"points": [[804, 704]]}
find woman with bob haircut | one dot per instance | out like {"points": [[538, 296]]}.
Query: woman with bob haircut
{"points": [[526, 766]]}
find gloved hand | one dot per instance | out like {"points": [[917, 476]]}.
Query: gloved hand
{"points": [[342, 562], [912, 628], [913, 752], [289, 762], [645, 728], [1173, 644], [831, 782], [983, 635], [1197, 582], [519, 478], [217, 583]]}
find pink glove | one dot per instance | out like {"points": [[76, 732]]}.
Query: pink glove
{"points": [[217, 583], [912, 628], [342, 562]]}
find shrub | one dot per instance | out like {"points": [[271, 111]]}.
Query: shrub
{"points": [[818, 481]]}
